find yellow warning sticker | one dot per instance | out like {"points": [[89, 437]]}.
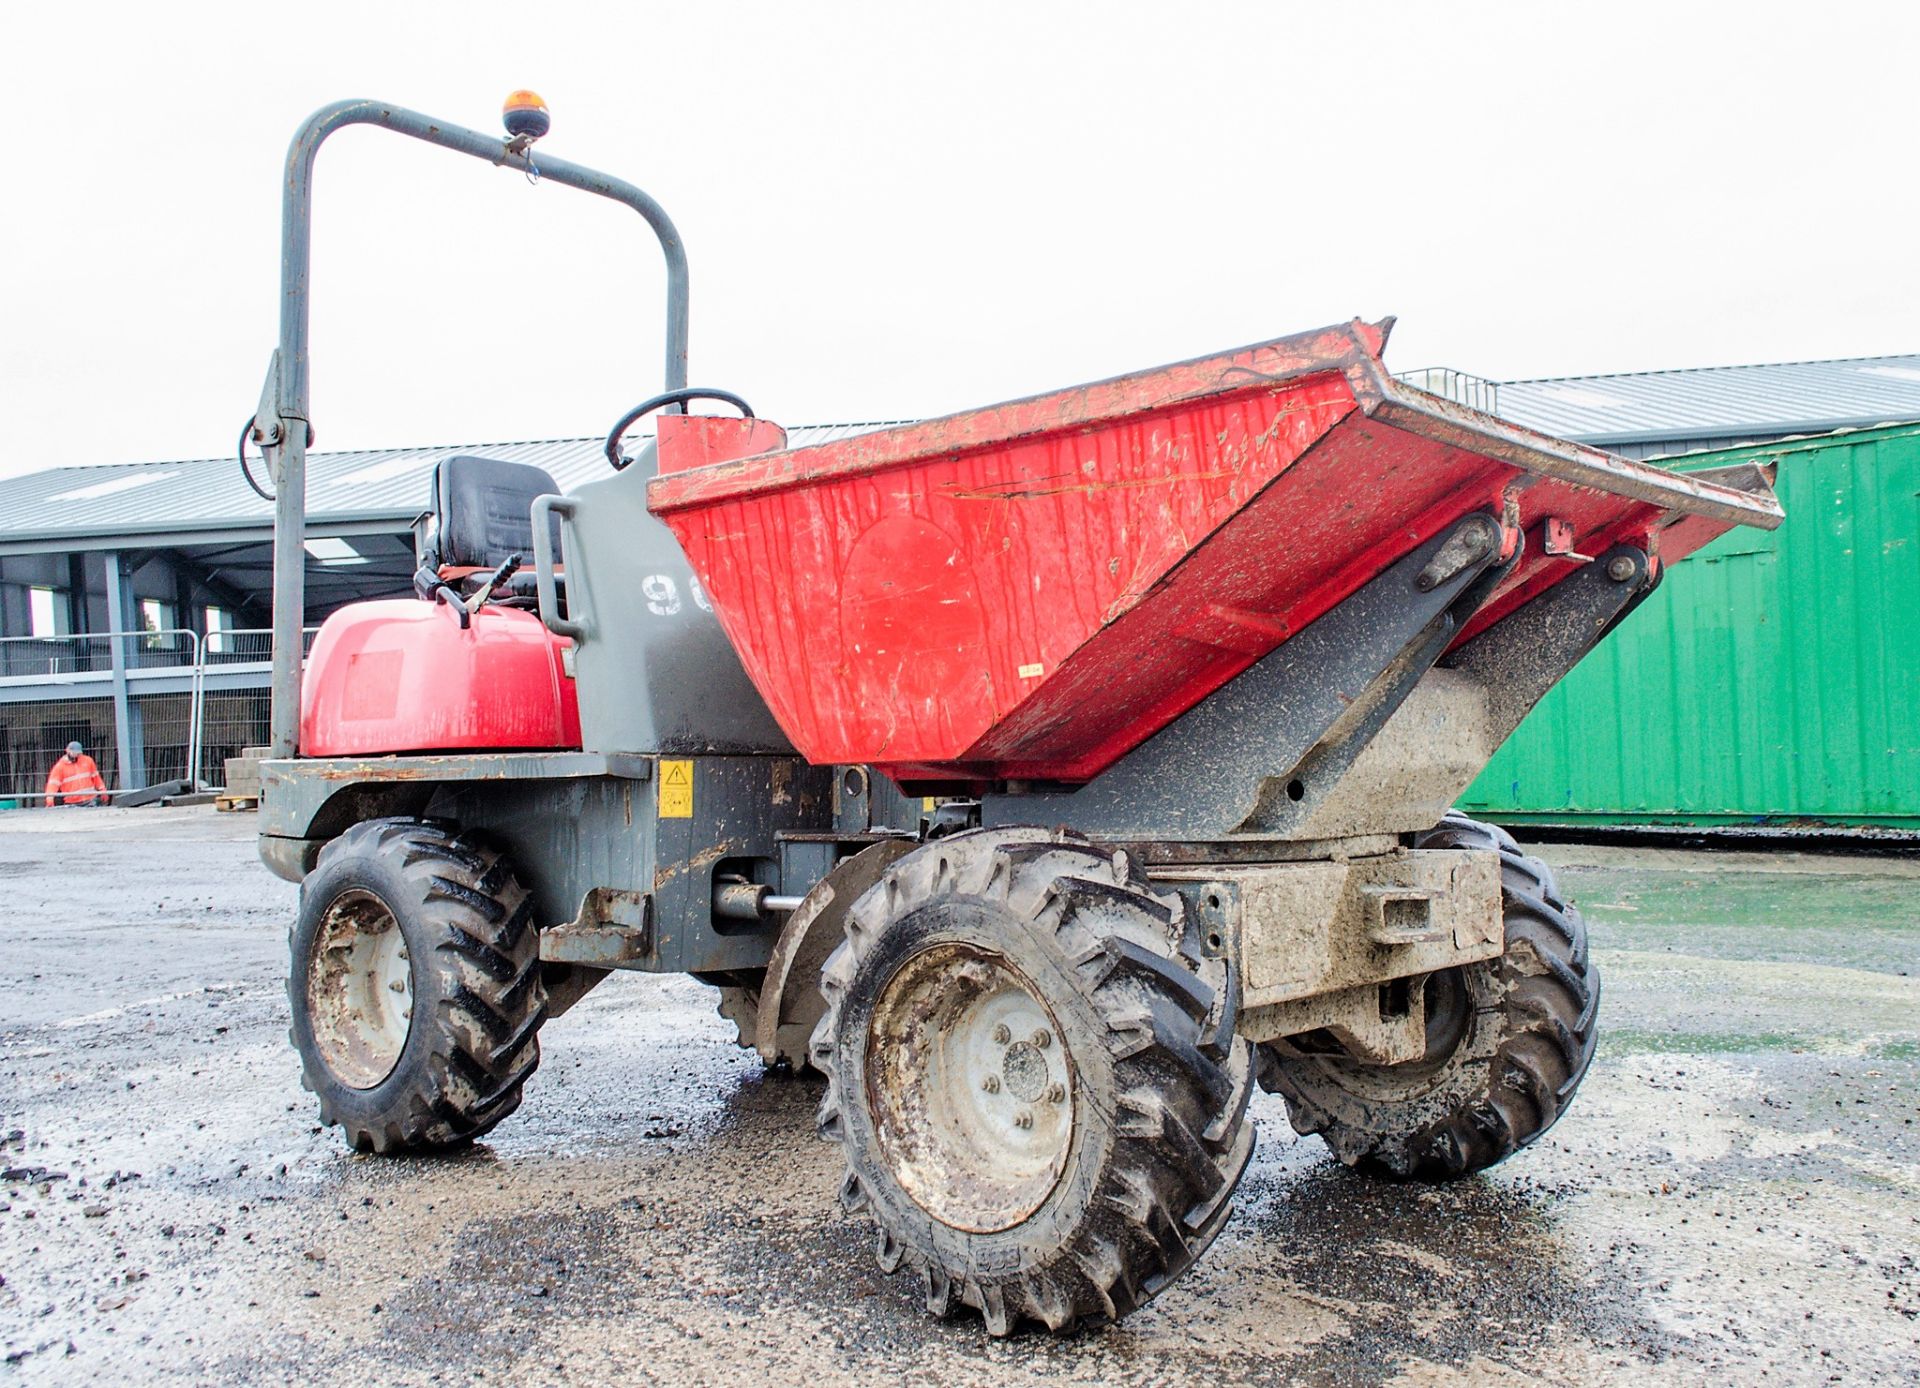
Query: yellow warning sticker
{"points": [[676, 789], [1033, 671], [926, 804]]}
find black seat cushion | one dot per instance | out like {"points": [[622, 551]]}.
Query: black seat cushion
{"points": [[483, 511]]}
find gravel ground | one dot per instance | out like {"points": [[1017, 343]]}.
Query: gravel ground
{"points": [[1732, 1199]]}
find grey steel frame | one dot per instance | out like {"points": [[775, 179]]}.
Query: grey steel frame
{"points": [[284, 398]]}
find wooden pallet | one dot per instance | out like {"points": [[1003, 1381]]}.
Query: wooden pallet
{"points": [[227, 804]]}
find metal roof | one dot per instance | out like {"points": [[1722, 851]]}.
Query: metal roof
{"points": [[176, 502], [1718, 402]]}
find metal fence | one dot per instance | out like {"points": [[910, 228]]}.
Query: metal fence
{"points": [[1475, 392], [173, 705], [58, 657], [248, 646]]}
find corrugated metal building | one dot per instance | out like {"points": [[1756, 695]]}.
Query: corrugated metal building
{"points": [[1771, 678], [1646, 414], [177, 558], [1656, 413], [191, 534]]}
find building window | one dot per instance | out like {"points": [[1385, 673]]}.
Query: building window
{"points": [[43, 612], [155, 617], [219, 622]]}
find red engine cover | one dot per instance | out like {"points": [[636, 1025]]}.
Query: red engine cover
{"points": [[399, 675]]}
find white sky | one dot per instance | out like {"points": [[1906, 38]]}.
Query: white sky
{"points": [[898, 209]]}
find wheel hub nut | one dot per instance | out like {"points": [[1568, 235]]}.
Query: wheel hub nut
{"points": [[1001, 1035], [1042, 1038], [1023, 1119], [991, 1084], [1056, 1093]]}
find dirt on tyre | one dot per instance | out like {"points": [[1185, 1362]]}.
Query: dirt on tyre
{"points": [[1034, 1076], [415, 986], [1508, 1042]]}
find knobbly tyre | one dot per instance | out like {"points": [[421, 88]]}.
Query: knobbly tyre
{"points": [[1045, 776]]}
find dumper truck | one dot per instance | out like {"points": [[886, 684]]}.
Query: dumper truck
{"points": [[1045, 777]]}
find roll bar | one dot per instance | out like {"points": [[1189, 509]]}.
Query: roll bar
{"points": [[283, 399]]}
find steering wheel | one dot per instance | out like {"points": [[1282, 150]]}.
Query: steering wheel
{"points": [[672, 397]]}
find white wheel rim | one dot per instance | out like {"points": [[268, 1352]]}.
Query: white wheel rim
{"points": [[360, 990], [972, 1087]]}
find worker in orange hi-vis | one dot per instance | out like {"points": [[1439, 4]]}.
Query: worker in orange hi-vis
{"points": [[75, 779]]}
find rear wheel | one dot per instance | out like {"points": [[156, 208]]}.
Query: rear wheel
{"points": [[1034, 1076], [1508, 1042], [415, 986]]}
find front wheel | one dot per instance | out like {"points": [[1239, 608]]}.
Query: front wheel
{"points": [[415, 985], [1034, 1076], [1508, 1042]]}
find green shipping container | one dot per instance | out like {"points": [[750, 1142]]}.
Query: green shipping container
{"points": [[1771, 678]]}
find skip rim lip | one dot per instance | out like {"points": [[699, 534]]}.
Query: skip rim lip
{"points": [[1352, 349]]}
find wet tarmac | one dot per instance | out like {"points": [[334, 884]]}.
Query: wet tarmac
{"points": [[1735, 1197]]}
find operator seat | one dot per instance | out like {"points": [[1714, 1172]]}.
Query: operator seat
{"points": [[483, 512]]}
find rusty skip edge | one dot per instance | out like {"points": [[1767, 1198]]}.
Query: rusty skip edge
{"points": [[473, 766], [1352, 349], [295, 789], [1241, 371], [1739, 497]]}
